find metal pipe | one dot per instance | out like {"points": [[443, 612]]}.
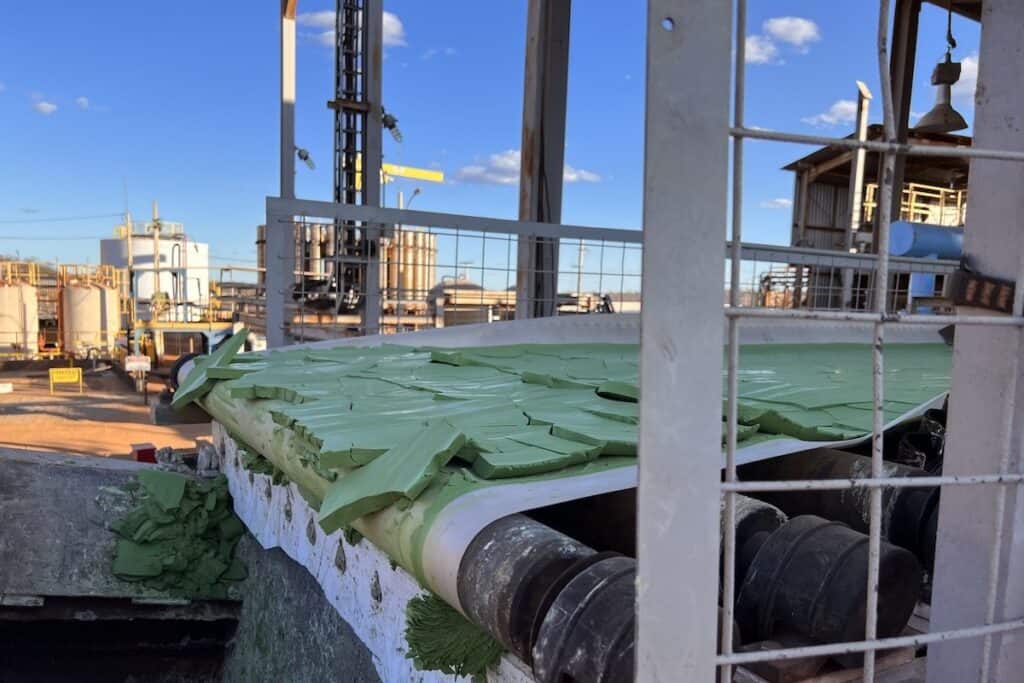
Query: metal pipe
{"points": [[870, 482], [883, 216], [732, 416], [862, 318], [856, 190], [868, 645], [907, 149]]}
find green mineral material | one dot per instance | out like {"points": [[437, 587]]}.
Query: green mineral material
{"points": [[340, 423], [402, 472], [198, 381], [441, 639], [181, 538]]}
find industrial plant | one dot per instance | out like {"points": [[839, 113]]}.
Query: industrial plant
{"points": [[422, 444]]}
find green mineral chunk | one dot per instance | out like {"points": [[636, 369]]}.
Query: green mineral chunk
{"points": [[520, 463], [404, 471], [542, 438], [441, 639], [166, 488], [137, 560], [198, 382], [619, 391], [181, 539]]}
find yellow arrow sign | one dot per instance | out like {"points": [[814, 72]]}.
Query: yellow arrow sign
{"points": [[389, 171]]}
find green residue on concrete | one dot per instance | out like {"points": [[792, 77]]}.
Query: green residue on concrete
{"points": [[254, 462], [441, 639], [181, 539]]}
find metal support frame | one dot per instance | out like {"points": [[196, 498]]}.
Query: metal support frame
{"points": [[856, 191], [546, 78], [373, 57], [906, 20], [279, 272], [681, 337], [979, 574]]}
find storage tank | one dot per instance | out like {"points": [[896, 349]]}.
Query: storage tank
{"points": [[19, 319], [90, 318]]}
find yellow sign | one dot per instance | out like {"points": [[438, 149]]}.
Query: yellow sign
{"points": [[389, 171], [66, 376]]}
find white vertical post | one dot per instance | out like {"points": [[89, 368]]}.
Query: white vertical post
{"points": [[978, 548], [685, 174], [856, 191], [279, 251], [288, 99]]}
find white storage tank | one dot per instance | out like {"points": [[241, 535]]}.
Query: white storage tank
{"points": [[90, 318], [19, 319]]}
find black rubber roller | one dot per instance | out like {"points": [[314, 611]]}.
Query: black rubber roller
{"points": [[810, 577], [587, 634]]}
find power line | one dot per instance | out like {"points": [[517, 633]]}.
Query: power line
{"points": [[25, 238], [61, 219]]}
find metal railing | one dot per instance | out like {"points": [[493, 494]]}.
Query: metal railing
{"points": [[922, 203], [439, 270], [435, 269]]}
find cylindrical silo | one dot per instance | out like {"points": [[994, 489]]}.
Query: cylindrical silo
{"points": [[420, 263], [407, 264], [90, 318], [19, 319], [432, 262], [392, 269]]}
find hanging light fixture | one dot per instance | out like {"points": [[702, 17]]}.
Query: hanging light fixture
{"points": [[943, 118]]}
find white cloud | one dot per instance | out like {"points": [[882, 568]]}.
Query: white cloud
{"points": [[579, 175], [777, 203], [324, 22], [324, 19], [503, 169], [842, 111], [43, 107], [795, 31], [433, 52], [82, 102], [965, 87], [394, 31], [761, 50]]}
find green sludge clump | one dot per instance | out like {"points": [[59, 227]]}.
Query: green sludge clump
{"points": [[441, 639], [182, 537]]}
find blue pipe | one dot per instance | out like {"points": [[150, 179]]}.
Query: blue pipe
{"points": [[925, 241]]}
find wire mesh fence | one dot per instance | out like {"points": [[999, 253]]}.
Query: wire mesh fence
{"points": [[802, 291]]}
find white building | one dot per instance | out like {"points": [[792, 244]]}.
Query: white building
{"points": [[175, 264]]}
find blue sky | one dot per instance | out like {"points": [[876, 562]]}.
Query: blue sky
{"points": [[178, 102]]}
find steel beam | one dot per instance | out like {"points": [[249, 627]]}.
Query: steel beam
{"points": [[546, 78], [981, 530], [372, 151], [901, 71], [280, 259], [680, 459]]}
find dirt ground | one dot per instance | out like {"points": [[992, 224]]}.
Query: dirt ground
{"points": [[105, 420]]}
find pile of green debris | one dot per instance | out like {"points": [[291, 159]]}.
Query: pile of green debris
{"points": [[182, 537]]}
